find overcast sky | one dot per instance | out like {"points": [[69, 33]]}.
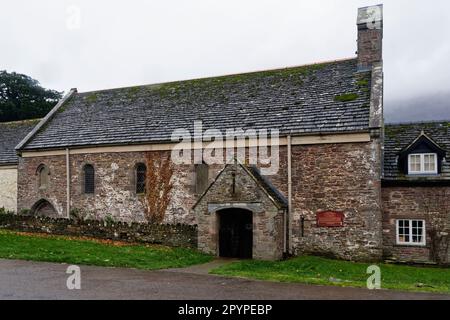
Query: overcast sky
{"points": [[134, 42]]}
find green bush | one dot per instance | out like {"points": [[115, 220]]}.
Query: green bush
{"points": [[25, 212], [76, 214], [5, 211]]}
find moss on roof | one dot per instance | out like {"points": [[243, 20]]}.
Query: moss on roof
{"points": [[346, 97], [276, 76], [297, 100], [92, 97], [363, 83]]}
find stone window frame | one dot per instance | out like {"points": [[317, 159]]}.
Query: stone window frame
{"points": [[410, 243], [84, 181], [422, 170], [43, 171]]}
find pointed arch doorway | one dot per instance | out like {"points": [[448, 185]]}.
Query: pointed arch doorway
{"points": [[235, 233], [43, 208]]}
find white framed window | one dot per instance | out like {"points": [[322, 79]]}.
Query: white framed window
{"points": [[425, 163], [411, 232]]}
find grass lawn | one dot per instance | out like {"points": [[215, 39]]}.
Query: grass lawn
{"points": [[37, 247], [322, 271]]}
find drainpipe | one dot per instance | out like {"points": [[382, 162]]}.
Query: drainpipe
{"points": [[68, 182], [287, 217]]}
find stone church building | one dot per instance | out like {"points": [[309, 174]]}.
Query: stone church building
{"points": [[345, 185]]}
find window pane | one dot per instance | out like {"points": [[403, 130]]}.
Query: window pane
{"points": [[429, 163], [414, 162], [89, 185], [43, 177], [403, 231], [141, 174], [411, 231], [418, 231]]}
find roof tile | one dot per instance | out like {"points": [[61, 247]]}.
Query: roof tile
{"points": [[298, 100], [400, 136], [11, 133]]}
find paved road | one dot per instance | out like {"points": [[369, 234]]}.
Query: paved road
{"points": [[36, 280]]}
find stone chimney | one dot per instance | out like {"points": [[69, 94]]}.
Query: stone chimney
{"points": [[370, 36]]}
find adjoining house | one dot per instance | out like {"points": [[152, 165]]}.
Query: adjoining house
{"points": [[11, 133], [416, 192], [110, 155]]}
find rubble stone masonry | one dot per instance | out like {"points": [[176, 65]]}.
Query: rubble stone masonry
{"points": [[341, 177], [431, 204]]}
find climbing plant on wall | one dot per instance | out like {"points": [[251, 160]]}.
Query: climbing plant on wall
{"points": [[438, 212], [158, 186]]}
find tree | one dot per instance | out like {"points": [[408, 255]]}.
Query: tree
{"points": [[22, 97]]}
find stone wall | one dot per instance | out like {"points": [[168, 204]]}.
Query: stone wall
{"points": [[29, 192], [170, 235], [8, 188], [343, 178], [431, 204], [339, 177], [114, 195]]}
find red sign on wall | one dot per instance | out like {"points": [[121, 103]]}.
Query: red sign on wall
{"points": [[329, 219]]}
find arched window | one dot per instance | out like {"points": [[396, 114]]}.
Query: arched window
{"points": [[141, 175], [89, 179], [43, 178]]}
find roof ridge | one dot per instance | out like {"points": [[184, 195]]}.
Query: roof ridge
{"points": [[416, 122], [223, 76]]}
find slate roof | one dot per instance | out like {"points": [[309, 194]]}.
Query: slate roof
{"points": [[11, 133], [273, 192], [297, 100], [400, 136]]}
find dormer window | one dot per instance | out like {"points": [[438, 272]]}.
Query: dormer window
{"points": [[426, 163], [423, 157]]}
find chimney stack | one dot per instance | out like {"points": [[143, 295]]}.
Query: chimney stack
{"points": [[370, 36]]}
